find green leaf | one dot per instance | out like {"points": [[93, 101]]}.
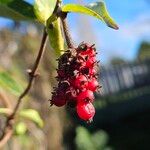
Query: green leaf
{"points": [[20, 128], [33, 115], [7, 82], [55, 36], [97, 9], [100, 8], [44, 9], [16, 9]]}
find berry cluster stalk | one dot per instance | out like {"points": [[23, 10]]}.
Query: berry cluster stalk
{"points": [[67, 35]]}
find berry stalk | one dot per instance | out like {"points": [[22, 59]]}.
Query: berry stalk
{"points": [[67, 34]]}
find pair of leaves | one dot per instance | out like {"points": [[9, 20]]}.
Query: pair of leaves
{"points": [[97, 10], [29, 114], [8, 83], [33, 115], [20, 10], [43, 10]]}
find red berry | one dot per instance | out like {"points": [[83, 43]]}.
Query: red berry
{"points": [[85, 49], [90, 62], [63, 86], [93, 84], [91, 52], [80, 82], [61, 73], [71, 94], [85, 96], [82, 49], [85, 111], [58, 101], [92, 71]]}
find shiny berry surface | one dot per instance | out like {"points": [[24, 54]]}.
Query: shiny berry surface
{"points": [[90, 62], [92, 71], [85, 96], [93, 84], [85, 111], [81, 81]]}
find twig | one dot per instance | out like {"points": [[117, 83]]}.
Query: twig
{"points": [[6, 137], [67, 35], [32, 74]]}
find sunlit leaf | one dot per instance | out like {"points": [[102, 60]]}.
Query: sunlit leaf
{"points": [[44, 9], [97, 9], [30, 114], [100, 9], [16, 10], [8, 83], [55, 36], [33, 115]]}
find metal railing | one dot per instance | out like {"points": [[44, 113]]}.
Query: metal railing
{"points": [[118, 78]]}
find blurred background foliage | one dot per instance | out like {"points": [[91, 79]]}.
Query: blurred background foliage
{"points": [[122, 108], [144, 52]]}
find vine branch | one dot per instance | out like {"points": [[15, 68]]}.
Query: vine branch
{"points": [[7, 132]]}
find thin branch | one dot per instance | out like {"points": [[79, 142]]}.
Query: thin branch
{"points": [[67, 34], [32, 75], [6, 137]]}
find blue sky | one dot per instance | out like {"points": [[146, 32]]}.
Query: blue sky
{"points": [[133, 18]]}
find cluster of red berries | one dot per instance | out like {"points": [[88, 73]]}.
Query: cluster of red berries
{"points": [[77, 80]]}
